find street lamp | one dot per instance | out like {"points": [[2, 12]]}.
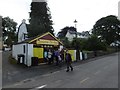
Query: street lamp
{"points": [[76, 46], [75, 23], [76, 26]]}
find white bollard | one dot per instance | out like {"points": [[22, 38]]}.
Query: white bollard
{"points": [[81, 58]]}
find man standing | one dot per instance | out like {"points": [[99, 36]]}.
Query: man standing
{"points": [[68, 61]]}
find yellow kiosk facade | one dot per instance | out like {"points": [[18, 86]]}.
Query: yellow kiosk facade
{"points": [[35, 47], [45, 41]]}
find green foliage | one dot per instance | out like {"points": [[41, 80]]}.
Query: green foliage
{"points": [[9, 29], [40, 19], [63, 32], [93, 44], [66, 42], [76, 43], [108, 28]]}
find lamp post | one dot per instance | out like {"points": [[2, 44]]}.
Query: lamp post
{"points": [[75, 22], [76, 46], [76, 26]]}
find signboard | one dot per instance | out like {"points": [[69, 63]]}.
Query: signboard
{"points": [[38, 52], [47, 42], [73, 54]]}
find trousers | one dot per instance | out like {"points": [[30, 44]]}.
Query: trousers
{"points": [[69, 66]]}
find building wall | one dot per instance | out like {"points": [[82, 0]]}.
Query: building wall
{"points": [[22, 30], [17, 49], [38, 52], [25, 49], [70, 36], [29, 54], [73, 54]]}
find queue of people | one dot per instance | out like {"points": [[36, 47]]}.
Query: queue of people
{"points": [[57, 57]]}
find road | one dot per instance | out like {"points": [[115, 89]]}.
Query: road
{"points": [[0, 69], [100, 73]]}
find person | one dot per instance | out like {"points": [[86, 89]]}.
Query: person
{"points": [[62, 54], [53, 56], [56, 57], [45, 56], [59, 60], [49, 56], [68, 61]]}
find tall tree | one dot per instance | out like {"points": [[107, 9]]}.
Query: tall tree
{"points": [[9, 30], [63, 32], [94, 44], [66, 42], [108, 28], [40, 19]]}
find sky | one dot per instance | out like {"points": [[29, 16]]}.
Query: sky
{"points": [[63, 12]]}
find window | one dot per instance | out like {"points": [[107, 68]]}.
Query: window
{"points": [[23, 48]]}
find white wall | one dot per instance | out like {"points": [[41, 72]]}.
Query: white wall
{"points": [[29, 54], [70, 36], [22, 30], [18, 49]]}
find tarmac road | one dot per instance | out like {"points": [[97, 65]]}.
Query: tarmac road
{"points": [[0, 69], [100, 73]]}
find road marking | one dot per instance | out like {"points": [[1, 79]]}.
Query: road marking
{"points": [[42, 86], [38, 88], [84, 80], [97, 72]]}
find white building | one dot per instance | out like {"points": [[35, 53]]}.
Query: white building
{"points": [[72, 34], [22, 31]]}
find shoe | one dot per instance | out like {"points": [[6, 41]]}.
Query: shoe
{"points": [[67, 70], [71, 69]]}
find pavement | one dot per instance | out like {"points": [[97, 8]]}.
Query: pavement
{"points": [[17, 73]]}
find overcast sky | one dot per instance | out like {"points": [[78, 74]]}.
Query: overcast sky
{"points": [[63, 12]]}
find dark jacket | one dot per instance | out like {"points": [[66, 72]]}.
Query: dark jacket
{"points": [[68, 58]]}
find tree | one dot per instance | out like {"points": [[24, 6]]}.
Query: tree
{"points": [[94, 44], [64, 31], [9, 31], [77, 44], [40, 19], [108, 29], [66, 42]]}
